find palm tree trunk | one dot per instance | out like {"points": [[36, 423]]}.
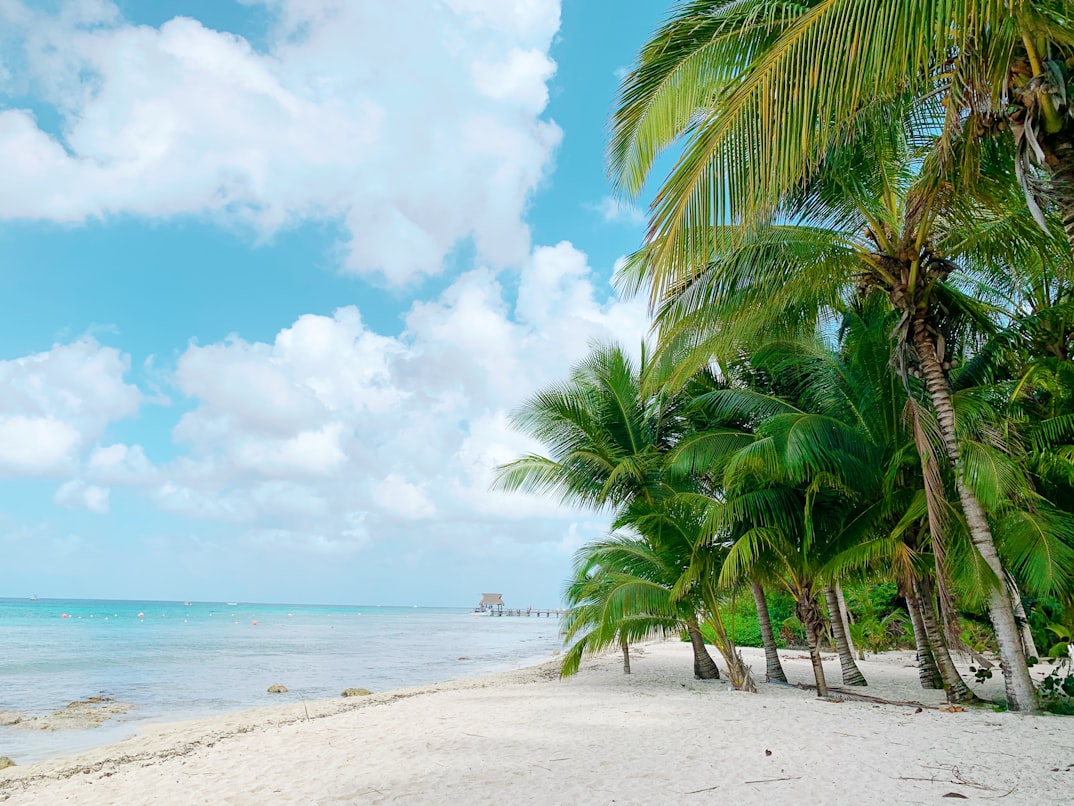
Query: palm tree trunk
{"points": [[737, 670], [773, 668], [852, 675], [953, 684], [1021, 695], [927, 671], [1029, 646], [704, 666], [844, 611], [626, 657], [805, 607]]}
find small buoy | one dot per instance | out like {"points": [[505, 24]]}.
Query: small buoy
{"points": [[64, 615], [254, 623], [141, 615]]}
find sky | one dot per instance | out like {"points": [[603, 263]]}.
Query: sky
{"points": [[275, 274]]}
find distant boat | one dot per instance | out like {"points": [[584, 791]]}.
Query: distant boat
{"points": [[231, 604], [33, 598]]}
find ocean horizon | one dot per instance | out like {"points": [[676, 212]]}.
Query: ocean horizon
{"points": [[170, 661]]}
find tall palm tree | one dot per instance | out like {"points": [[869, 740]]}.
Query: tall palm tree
{"points": [[850, 397], [870, 219], [760, 92]]}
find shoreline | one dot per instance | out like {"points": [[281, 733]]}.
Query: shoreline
{"points": [[197, 663], [598, 737], [92, 733], [181, 738]]}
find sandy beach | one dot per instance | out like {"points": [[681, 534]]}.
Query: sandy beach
{"points": [[656, 736]]}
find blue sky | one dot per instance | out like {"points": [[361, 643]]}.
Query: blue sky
{"points": [[274, 274]]}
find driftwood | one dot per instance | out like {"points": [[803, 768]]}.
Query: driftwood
{"points": [[855, 695]]}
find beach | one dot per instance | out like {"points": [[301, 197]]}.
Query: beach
{"points": [[157, 662], [655, 736]]}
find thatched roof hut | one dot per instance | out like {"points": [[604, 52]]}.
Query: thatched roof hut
{"points": [[489, 600]]}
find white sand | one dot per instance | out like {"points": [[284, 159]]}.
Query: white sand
{"points": [[655, 737]]}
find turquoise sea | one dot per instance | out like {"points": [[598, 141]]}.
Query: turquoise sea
{"points": [[175, 660]]}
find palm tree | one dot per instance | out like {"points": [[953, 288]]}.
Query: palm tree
{"points": [[610, 446], [1019, 385], [760, 92], [849, 397], [873, 219], [605, 437], [621, 592], [781, 527], [678, 526], [781, 507]]}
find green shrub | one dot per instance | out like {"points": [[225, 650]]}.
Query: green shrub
{"points": [[978, 636], [879, 620], [1057, 690]]}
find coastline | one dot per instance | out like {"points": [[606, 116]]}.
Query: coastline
{"points": [[182, 663], [600, 737]]}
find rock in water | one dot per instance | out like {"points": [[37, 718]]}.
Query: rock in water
{"points": [[6, 762], [357, 692], [277, 689]]}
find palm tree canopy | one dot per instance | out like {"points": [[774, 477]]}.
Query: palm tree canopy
{"points": [[760, 93]]}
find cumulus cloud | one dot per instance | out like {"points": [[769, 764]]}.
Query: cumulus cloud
{"points": [[120, 464], [413, 125], [35, 444], [336, 431], [54, 404]]}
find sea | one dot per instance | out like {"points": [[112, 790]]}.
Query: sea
{"points": [[173, 661]]}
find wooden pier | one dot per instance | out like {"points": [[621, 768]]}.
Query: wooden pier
{"points": [[529, 611], [492, 604]]}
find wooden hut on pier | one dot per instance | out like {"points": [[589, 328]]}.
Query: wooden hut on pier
{"points": [[490, 601]]}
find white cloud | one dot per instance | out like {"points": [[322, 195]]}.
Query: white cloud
{"points": [[336, 431], [520, 78], [56, 402], [412, 124], [307, 453], [403, 498], [35, 444], [120, 464], [77, 494]]}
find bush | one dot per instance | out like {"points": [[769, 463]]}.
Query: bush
{"points": [[880, 620], [1042, 615], [978, 636], [1057, 690], [743, 626], [740, 620]]}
